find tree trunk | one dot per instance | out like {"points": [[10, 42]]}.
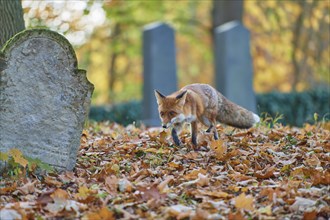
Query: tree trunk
{"points": [[113, 60], [11, 19], [296, 45], [225, 11]]}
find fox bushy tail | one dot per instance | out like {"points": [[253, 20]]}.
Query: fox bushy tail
{"points": [[234, 115]]}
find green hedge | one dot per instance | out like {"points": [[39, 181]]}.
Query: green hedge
{"points": [[124, 113], [296, 108]]}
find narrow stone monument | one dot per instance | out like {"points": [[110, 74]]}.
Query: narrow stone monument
{"points": [[233, 64], [159, 62], [44, 98]]}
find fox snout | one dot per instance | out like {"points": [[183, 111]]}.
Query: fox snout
{"points": [[164, 126]]}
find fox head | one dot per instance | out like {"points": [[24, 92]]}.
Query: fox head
{"points": [[170, 107]]}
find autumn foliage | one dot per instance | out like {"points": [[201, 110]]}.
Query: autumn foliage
{"points": [[137, 173]]}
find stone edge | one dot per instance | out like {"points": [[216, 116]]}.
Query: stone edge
{"points": [[17, 38]]}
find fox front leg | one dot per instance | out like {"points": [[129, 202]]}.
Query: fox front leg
{"points": [[175, 137], [194, 133]]}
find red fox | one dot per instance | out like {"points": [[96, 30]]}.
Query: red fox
{"points": [[201, 103]]}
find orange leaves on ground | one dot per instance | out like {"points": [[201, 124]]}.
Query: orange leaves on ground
{"points": [[244, 202], [136, 173]]}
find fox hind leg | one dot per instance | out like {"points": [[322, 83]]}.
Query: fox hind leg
{"points": [[214, 129], [215, 133]]}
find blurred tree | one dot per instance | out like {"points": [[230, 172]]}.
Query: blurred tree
{"points": [[289, 40], [11, 19], [290, 43], [225, 11]]}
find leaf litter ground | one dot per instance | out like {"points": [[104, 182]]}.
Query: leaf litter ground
{"points": [[137, 173]]}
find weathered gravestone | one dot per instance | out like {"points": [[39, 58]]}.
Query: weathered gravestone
{"points": [[44, 98], [159, 68], [233, 64]]}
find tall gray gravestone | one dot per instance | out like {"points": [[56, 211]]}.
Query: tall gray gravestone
{"points": [[44, 98], [159, 68], [233, 64]]}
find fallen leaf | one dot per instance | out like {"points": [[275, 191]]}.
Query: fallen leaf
{"points": [[85, 194], [104, 213], [219, 148], [18, 157], [28, 188], [236, 216], [312, 161], [202, 180], [194, 174], [179, 211], [163, 185], [267, 172], [302, 204], [244, 202], [52, 181], [111, 183], [265, 210], [124, 185], [8, 189], [4, 156], [151, 192], [162, 137], [312, 215], [215, 193]]}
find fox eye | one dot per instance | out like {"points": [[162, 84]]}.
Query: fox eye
{"points": [[162, 113], [172, 113]]}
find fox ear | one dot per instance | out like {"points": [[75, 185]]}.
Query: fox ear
{"points": [[181, 98], [159, 96]]}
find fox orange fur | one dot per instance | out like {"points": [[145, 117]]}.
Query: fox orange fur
{"points": [[201, 103]]}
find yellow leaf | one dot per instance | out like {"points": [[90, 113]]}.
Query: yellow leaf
{"points": [[244, 202], [83, 192], [4, 156], [14, 152], [162, 137], [219, 148], [18, 157]]}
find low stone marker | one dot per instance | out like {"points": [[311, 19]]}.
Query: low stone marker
{"points": [[233, 64], [44, 98], [159, 64]]}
